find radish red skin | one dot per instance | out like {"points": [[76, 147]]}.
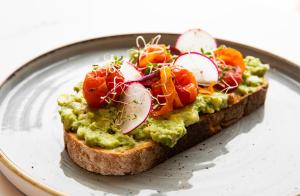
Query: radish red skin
{"points": [[175, 51], [145, 78]]}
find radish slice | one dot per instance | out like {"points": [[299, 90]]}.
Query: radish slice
{"points": [[194, 40], [144, 80], [203, 68], [137, 106], [130, 73]]}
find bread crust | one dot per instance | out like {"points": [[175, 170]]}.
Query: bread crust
{"points": [[148, 154]]}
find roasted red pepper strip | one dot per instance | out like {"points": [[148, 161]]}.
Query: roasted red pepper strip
{"points": [[170, 95]]}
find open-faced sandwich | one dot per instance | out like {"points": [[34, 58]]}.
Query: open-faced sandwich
{"points": [[128, 115]]}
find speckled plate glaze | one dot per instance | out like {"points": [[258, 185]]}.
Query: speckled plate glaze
{"points": [[259, 155]]}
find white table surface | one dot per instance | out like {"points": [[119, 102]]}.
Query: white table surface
{"points": [[30, 28]]}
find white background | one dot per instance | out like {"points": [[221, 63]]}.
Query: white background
{"points": [[32, 27]]}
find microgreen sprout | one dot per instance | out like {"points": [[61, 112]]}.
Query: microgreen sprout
{"points": [[227, 86], [208, 53]]}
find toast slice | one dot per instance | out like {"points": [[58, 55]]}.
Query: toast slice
{"points": [[148, 154]]}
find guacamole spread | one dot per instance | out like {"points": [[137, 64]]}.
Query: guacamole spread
{"points": [[98, 127], [253, 75]]}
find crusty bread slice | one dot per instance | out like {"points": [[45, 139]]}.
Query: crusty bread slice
{"points": [[148, 154]]}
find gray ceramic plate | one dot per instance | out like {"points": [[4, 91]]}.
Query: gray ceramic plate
{"points": [[257, 156]]}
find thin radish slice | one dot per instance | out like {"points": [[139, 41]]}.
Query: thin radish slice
{"points": [[137, 106], [146, 80], [130, 73], [203, 68], [194, 40]]}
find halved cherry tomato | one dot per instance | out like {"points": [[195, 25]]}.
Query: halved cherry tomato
{"points": [[154, 54], [231, 57], [157, 91], [230, 76], [185, 84], [100, 84], [115, 84]]}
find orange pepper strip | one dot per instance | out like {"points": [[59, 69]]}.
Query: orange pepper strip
{"points": [[177, 102], [155, 53], [169, 91], [147, 59]]}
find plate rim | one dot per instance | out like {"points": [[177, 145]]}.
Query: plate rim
{"points": [[12, 167]]}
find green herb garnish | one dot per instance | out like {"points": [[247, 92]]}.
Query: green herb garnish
{"points": [[117, 60], [149, 68]]}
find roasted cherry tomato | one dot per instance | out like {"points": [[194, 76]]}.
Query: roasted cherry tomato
{"points": [[157, 91], [185, 84], [154, 54], [115, 84], [101, 84], [230, 76], [231, 57]]}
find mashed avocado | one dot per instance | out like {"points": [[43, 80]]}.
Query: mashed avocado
{"points": [[97, 127], [253, 75], [170, 129]]}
